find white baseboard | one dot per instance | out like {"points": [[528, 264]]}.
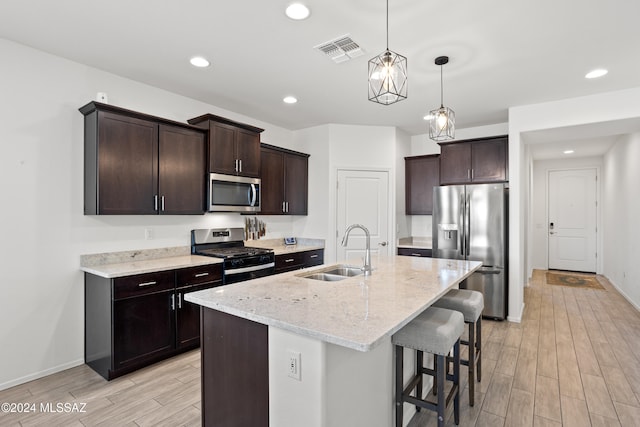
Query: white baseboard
{"points": [[518, 317], [40, 374], [629, 300]]}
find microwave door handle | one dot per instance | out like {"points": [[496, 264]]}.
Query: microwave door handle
{"points": [[253, 195]]}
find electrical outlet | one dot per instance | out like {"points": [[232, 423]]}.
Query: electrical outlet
{"points": [[293, 364], [148, 233]]}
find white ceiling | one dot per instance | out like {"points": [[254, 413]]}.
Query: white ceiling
{"points": [[502, 52]]}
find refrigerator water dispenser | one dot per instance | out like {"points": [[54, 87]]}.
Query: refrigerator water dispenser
{"points": [[448, 236]]}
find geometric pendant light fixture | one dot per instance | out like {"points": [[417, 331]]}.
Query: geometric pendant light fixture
{"points": [[388, 75], [442, 121]]}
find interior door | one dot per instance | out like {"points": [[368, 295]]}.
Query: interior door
{"points": [[363, 198], [572, 220]]}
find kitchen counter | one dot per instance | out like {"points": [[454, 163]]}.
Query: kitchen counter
{"points": [[415, 242], [111, 265], [313, 353], [357, 312], [280, 248]]}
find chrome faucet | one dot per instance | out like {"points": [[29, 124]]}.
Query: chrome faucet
{"points": [[367, 255]]}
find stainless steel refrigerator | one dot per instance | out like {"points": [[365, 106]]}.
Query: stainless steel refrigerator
{"points": [[470, 222]]}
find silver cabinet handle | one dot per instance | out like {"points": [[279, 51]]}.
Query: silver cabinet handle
{"points": [[468, 173], [287, 207], [162, 203], [236, 166], [314, 256], [240, 162], [415, 254], [179, 300], [471, 174], [173, 302], [142, 285], [284, 207], [155, 202], [201, 274], [289, 260]]}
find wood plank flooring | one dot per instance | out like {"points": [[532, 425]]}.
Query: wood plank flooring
{"points": [[573, 361]]}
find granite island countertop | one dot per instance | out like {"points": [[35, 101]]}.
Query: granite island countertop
{"points": [[357, 312]]}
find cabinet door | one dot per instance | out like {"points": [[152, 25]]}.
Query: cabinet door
{"points": [[272, 181], [315, 257], [143, 329], [421, 175], [455, 163], [222, 155], [415, 252], [181, 171], [489, 161], [188, 317], [127, 165], [248, 152], [295, 184]]}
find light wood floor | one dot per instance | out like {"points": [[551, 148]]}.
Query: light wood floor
{"points": [[573, 361]]}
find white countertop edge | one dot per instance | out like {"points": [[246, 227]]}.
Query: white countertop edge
{"points": [[113, 271]]}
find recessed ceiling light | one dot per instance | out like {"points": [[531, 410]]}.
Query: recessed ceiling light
{"points": [[290, 100], [594, 74], [297, 11], [199, 61], [568, 151]]}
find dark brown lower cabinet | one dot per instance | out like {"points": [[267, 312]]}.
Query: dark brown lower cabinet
{"points": [[297, 260], [415, 252], [134, 321], [235, 371]]}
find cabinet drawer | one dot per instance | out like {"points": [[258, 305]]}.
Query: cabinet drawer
{"points": [[286, 262], [197, 275], [142, 284], [312, 258], [415, 252]]}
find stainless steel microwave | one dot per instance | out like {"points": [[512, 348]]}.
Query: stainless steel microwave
{"points": [[228, 193]]}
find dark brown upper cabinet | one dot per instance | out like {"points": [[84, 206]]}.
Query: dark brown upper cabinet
{"points": [[136, 164], [234, 148], [482, 160], [284, 180], [422, 173]]}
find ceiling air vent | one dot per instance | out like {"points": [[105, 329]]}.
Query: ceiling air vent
{"points": [[341, 49]]}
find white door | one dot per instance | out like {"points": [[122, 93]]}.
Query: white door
{"points": [[363, 198], [572, 220]]}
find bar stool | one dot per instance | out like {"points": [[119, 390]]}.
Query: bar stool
{"points": [[434, 331], [470, 304]]}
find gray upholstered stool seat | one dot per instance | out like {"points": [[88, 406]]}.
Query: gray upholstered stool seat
{"points": [[470, 304], [435, 331]]}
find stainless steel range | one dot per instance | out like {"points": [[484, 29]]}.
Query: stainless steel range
{"points": [[240, 262]]}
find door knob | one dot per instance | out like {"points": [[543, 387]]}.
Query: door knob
{"points": [[382, 244]]}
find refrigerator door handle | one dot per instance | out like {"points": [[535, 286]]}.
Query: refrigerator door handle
{"points": [[467, 233], [461, 227], [488, 270]]}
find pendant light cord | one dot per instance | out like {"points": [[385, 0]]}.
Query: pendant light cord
{"points": [[387, 24], [441, 89]]}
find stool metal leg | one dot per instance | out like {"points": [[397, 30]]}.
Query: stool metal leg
{"points": [[472, 363], [419, 370], [399, 373], [478, 347], [456, 382], [441, 397]]}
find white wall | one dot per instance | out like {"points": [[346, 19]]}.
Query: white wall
{"points": [[43, 228], [621, 206], [538, 241]]}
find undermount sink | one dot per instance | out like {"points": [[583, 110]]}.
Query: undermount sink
{"points": [[333, 273]]}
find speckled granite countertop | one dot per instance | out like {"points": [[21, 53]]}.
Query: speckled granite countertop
{"points": [[128, 263], [415, 242], [358, 312]]}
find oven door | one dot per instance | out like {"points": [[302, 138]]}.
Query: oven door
{"points": [[240, 269], [228, 193]]}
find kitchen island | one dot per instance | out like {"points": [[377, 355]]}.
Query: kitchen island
{"points": [[337, 333]]}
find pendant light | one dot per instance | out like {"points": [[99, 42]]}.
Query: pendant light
{"points": [[388, 75], [442, 122]]}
